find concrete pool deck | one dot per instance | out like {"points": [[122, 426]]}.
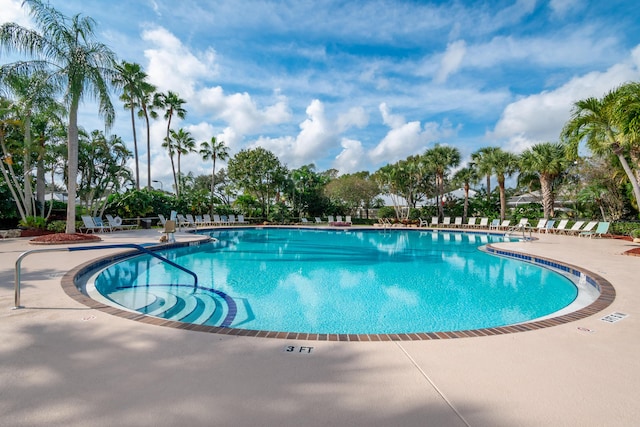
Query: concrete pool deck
{"points": [[62, 363]]}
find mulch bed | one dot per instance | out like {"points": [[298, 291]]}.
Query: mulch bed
{"points": [[64, 238]]}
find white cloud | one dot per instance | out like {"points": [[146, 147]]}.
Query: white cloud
{"points": [[540, 117], [12, 11], [561, 7], [451, 60], [405, 139], [240, 111], [173, 66], [352, 158]]}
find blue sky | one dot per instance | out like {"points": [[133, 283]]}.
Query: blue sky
{"points": [[359, 84]]}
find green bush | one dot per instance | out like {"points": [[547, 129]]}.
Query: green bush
{"points": [[635, 233], [386, 212], [57, 226], [34, 222]]}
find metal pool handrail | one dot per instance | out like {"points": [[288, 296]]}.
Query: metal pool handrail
{"points": [[87, 248]]}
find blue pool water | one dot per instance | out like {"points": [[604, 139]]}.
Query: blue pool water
{"points": [[325, 281]]}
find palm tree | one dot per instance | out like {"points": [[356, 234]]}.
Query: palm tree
{"points": [[33, 96], [466, 177], [606, 130], [179, 143], [212, 150], [145, 101], [504, 164], [547, 161], [441, 158], [67, 50], [481, 160], [129, 76]]}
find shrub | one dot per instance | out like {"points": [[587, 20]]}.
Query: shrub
{"points": [[57, 226], [34, 222], [635, 233]]}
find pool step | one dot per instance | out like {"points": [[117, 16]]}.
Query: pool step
{"points": [[175, 303]]}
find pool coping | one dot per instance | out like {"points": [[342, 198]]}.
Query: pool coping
{"points": [[606, 297]]}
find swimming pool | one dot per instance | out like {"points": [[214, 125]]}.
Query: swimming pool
{"points": [[339, 282]]}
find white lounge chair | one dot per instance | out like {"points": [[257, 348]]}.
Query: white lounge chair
{"points": [[504, 225], [191, 222], [241, 220], [587, 230], [575, 228], [232, 219], [457, 222], [561, 228], [435, 221], [347, 219], [484, 222], [161, 217], [318, 220], [471, 222], [540, 226], [330, 219], [89, 225], [446, 221], [494, 224], [116, 223], [423, 222]]}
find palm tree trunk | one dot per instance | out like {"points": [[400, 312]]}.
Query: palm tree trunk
{"points": [[213, 182], [40, 172], [72, 166], [466, 203], [503, 199], [146, 118], [630, 175], [135, 148], [547, 194]]}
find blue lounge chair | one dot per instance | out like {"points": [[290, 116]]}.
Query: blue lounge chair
{"points": [[602, 228]]}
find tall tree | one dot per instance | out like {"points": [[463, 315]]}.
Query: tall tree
{"points": [[257, 172], [172, 105], [481, 160], [145, 102], [66, 48], [548, 162], [441, 159], [504, 164], [213, 150], [183, 144], [604, 127], [33, 95], [466, 177]]}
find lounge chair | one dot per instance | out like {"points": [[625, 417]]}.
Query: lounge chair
{"points": [[561, 228], [232, 219], [471, 222], [423, 222], [484, 222], [446, 221], [116, 223], [504, 225], [603, 228], [540, 226], [347, 219], [458, 222], [89, 225], [190, 221], [181, 221], [549, 226], [304, 221], [494, 224], [161, 217], [588, 229], [520, 226], [241, 220], [318, 220], [206, 220], [435, 221], [217, 220], [330, 219], [338, 218], [575, 228]]}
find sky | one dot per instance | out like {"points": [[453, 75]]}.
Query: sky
{"points": [[355, 85]]}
